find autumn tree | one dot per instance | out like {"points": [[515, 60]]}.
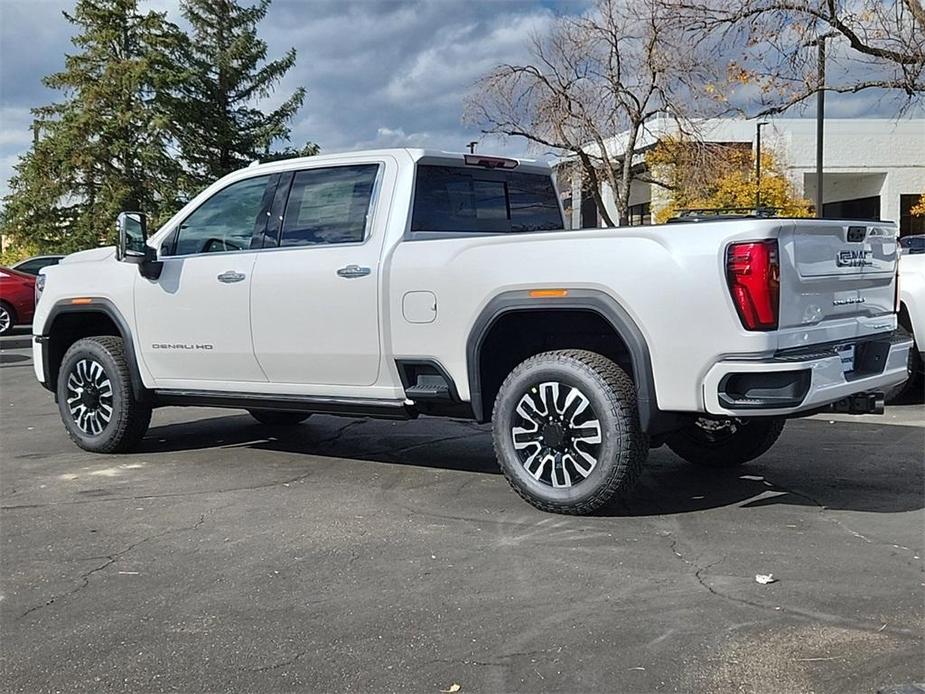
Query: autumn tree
{"points": [[105, 146], [592, 84], [216, 115], [770, 46], [721, 177]]}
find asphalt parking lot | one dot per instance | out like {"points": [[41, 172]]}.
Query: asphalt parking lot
{"points": [[355, 555]]}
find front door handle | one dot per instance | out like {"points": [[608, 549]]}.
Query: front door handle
{"points": [[353, 271], [230, 276]]}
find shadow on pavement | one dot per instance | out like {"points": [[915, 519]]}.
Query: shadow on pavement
{"points": [[811, 466]]}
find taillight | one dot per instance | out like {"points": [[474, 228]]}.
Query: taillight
{"points": [[753, 272]]}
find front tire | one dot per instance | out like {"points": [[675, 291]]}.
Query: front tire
{"points": [[7, 318], [276, 418], [724, 443], [566, 431], [95, 397]]}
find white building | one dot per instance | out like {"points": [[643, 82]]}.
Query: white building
{"points": [[873, 168]]}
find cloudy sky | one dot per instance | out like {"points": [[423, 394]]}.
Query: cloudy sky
{"points": [[378, 72]]}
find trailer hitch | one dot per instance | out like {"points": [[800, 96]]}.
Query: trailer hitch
{"points": [[860, 403]]}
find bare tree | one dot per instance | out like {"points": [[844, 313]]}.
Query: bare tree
{"points": [[593, 77], [873, 44]]}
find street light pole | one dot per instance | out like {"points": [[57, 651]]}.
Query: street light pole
{"points": [[820, 121], [758, 127]]}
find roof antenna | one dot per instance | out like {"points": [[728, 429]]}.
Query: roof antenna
{"points": [[471, 146]]}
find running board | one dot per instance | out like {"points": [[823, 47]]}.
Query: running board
{"points": [[354, 407]]}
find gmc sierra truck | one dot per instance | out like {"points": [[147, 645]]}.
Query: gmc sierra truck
{"points": [[403, 282]]}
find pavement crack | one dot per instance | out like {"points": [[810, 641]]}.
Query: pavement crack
{"points": [[339, 432], [500, 661], [277, 666], [111, 559], [826, 513], [809, 615]]}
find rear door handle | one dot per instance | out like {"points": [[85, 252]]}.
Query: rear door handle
{"points": [[353, 271], [230, 276]]}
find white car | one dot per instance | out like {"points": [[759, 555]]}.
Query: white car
{"points": [[401, 282], [912, 318]]}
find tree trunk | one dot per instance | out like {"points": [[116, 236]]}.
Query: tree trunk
{"points": [[588, 166]]}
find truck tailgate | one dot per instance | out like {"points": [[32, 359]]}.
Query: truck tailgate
{"points": [[838, 280]]}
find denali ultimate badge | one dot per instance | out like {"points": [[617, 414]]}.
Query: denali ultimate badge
{"points": [[849, 258]]}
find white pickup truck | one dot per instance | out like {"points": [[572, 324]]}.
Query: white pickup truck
{"points": [[403, 282]]}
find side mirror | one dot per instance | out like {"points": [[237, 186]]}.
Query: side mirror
{"points": [[133, 232], [132, 247]]}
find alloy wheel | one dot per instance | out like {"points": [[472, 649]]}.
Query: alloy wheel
{"points": [[556, 434], [6, 320], [90, 396]]}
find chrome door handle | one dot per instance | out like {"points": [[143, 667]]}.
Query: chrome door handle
{"points": [[353, 271], [230, 276]]}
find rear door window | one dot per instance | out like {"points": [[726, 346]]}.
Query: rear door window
{"points": [[328, 206], [467, 200]]}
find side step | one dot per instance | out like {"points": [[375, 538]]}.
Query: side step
{"points": [[426, 390]]}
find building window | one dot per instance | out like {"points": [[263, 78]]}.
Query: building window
{"points": [[909, 225], [857, 208], [640, 215]]}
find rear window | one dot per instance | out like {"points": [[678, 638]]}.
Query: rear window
{"points": [[468, 200]]}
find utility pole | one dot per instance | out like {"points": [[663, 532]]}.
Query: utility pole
{"points": [[471, 146], [758, 127], [820, 122]]}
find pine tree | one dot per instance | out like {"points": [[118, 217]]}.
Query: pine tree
{"points": [[217, 123], [105, 147]]}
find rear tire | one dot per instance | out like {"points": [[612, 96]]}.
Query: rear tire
{"points": [[566, 431], [95, 397], [723, 443], [7, 318], [276, 418]]}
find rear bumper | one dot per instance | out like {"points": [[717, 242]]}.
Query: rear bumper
{"points": [[797, 381]]}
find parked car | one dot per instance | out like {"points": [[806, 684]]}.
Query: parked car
{"points": [[402, 282], [17, 299], [913, 245], [31, 266], [912, 319]]}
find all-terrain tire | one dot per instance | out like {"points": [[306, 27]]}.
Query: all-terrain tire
{"points": [[100, 362], [611, 401], [277, 418], [748, 439]]}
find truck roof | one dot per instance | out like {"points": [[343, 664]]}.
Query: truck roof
{"points": [[416, 154]]}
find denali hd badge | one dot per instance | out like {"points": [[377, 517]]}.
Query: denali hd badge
{"points": [[180, 345], [849, 258]]}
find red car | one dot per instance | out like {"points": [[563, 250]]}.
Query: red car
{"points": [[17, 299]]}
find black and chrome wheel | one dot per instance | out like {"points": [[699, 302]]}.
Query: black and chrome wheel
{"points": [[95, 397], [7, 318], [89, 396], [566, 431], [557, 434], [725, 441], [279, 418]]}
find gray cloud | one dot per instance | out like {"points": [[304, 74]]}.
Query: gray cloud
{"points": [[378, 73]]}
